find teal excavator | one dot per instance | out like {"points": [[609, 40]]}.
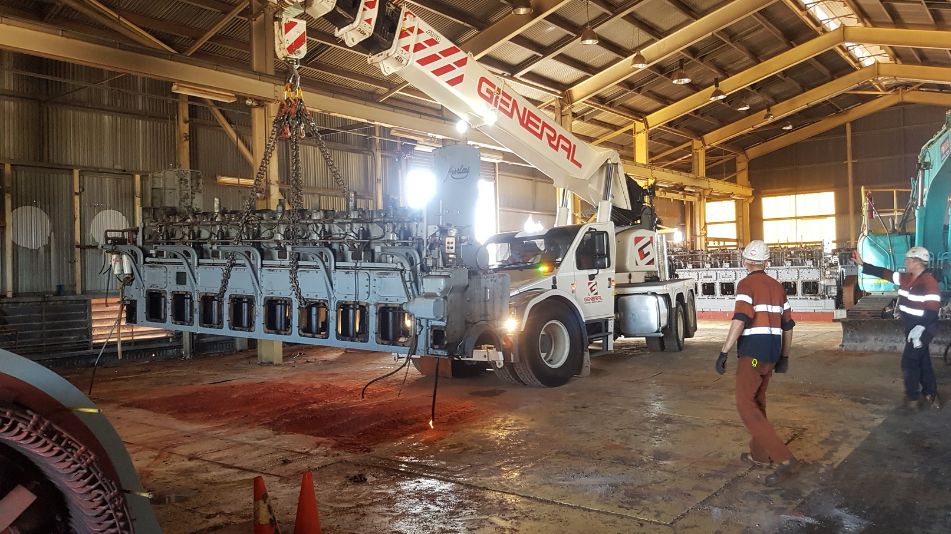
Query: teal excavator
{"points": [[871, 325]]}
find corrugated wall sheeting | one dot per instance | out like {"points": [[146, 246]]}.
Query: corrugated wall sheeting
{"points": [[106, 194], [214, 154], [45, 227], [524, 192], [884, 149], [354, 167], [127, 93], [20, 137], [86, 138]]}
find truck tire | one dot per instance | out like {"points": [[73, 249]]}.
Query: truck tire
{"points": [[550, 347], [674, 333], [691, 315], [655, 344], [507, 374]]}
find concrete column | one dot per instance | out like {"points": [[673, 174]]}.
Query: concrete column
{"points": [[743, 230], [8, 229], [77, 234], [699, 168], [262, 60], [641, 154]]}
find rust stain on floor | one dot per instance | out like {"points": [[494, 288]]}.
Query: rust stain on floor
{"points": [[333, 413]]}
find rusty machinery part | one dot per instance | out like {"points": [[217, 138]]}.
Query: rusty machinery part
{"points": [[78, 468], [93, 501]]}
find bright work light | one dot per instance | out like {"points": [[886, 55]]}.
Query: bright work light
{"points": [[420, 188]]}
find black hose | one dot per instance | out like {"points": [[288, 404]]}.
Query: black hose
{"points": [[432, 414], [409, 356]]}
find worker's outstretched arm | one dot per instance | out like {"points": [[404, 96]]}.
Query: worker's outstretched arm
{"points": [[736, 328], [874, 270]]}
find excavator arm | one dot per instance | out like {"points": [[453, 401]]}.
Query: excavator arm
{"points": [[400, 42]]}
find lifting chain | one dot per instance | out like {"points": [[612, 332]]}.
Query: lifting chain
{"points": [[293, 123]]}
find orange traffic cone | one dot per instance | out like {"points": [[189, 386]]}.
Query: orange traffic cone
{"points": [[308, 518], [264, 520]]}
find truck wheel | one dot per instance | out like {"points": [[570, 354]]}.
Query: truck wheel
{"points": [[507, 374], [550, 347], [655, 344], [674, 333], [691, 312]]}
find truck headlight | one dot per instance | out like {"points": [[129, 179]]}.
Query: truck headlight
{"points": [[510, 325]]}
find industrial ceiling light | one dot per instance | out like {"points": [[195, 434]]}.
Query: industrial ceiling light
{"points": [[744, 106], [769, 114], [680, 77], [588, 37], [522, 7], [203, 92], [638, 61], [717, 93], [787, 126]]}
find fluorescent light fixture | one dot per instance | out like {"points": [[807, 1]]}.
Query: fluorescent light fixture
{"points": [[787, 126], [204, 92], [522, 7], [744, 106], [420, 188], [235, 181]]}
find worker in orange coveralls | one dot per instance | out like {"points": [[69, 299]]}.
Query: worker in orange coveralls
{"points": [[762, 329]]}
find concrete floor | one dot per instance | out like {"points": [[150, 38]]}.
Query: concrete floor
{"points": [[647, 443]]}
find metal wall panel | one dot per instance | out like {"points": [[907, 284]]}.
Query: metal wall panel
{"points": [[105, 200], [214, 154], [105, 89], [92, 139], [45, 227], [20, 135], [354, 168], [524, 192]]}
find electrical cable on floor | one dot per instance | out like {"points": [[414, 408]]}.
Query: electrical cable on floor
{"points": [[432, 414]]}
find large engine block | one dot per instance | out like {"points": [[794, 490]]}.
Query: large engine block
{"points": [[387, 280]]}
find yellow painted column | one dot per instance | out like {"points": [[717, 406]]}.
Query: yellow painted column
{"points": [[743, 230], [699, 167], [262, 60], [641, 154]]}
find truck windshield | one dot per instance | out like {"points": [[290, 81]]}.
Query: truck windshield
{"points": [[531, 251]]}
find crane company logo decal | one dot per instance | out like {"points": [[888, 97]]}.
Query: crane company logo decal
{"points": [[459, 173], [593, 295], [531, 122], [644, 247]]}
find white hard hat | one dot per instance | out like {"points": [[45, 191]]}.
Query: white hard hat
{"points": [[756, 251], [919, 252]]}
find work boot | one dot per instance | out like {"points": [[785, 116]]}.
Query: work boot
{"points": [[934, 401], [747, 458], [784, 472], [911, 405]]}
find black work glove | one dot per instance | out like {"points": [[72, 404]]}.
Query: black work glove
{"points": [[721, 363], [782, 365]]}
